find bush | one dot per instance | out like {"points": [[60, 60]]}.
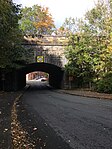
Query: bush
{"points": [[105, 83]]}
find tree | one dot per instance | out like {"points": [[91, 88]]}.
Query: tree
{"points": [[80, 57], [36, 20], [10, 35], [71, 26], [89, 49]]}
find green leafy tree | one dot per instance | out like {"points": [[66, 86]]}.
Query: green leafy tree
{"points": [[10, 35], [99, 25], [26, 22], [89, 49], [80, 57], [70, 26], [36, 20]]}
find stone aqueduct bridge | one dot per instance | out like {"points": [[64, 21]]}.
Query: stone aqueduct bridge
{"points": [[47, 55], [47, 49]]}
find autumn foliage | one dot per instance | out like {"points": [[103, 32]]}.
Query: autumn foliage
{"points": [[36, 20], [89, 51], [45, 21]]}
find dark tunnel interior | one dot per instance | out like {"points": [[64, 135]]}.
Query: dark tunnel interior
{"points": [[55, 73]]}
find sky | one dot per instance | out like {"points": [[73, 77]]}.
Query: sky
{"points": [[61, 9]]}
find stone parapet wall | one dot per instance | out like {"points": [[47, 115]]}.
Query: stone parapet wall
{"points": [[49, 48], [46, 40]]}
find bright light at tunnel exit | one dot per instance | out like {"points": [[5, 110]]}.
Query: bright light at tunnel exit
{"points": [[36, 75]]}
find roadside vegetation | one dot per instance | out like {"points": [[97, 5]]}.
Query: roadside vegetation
{"points": [[89, 51], [10, 34]]}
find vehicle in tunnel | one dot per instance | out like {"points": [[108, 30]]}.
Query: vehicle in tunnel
{"points": [[55, 73], [37, 75], [16, 79], [41, 79]]}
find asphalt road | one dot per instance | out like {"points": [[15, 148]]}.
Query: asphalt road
{"points": [[83, 123]]}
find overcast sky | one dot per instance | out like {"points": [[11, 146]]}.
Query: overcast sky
{"points": [[61, 9]]}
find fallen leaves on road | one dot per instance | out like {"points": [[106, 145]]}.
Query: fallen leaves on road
{"points": [[5, 129], [20, 137]]}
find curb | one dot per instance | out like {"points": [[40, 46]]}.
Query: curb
{"points": [[83, 95]]}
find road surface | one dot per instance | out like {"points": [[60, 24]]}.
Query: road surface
{"points": [[83, 123]]}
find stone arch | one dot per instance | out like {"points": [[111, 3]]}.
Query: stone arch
{"points": [[55, 73]]}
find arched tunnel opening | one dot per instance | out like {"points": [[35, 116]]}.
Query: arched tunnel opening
{"points": [[37, 75], [55, 73]]}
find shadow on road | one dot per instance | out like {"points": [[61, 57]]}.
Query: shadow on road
{"points": [[38, 85]]}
